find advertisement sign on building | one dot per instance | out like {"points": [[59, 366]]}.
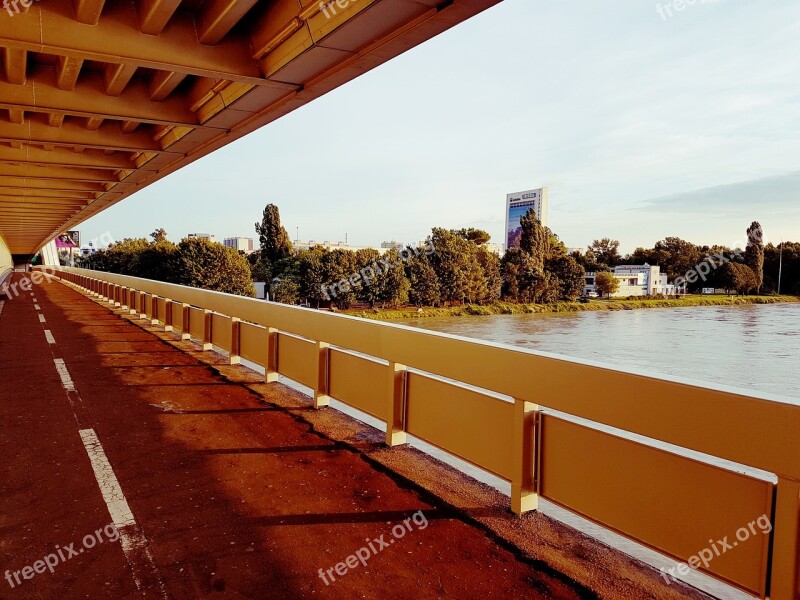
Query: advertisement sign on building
{"points": [[517, 205]]}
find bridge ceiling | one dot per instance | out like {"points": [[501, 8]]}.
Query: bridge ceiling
{"points": [[99, 98]]}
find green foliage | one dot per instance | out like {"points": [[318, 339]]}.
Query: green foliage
{"points": [[476, 236], [211, 266], [259, 268], [605, 252], [738, 277], [159, 235], [789, 270], [754, 253], [570, 275], [272, 237], [606, 284], [339, 265], [540, 269], [424, 290], [285, 290], [311, 274]]}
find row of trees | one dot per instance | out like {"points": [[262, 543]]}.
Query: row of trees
{"points": [[678, 257], [194, 262], [453, 267]]}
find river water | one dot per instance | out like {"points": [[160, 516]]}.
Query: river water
{"points": [[753, 347]]}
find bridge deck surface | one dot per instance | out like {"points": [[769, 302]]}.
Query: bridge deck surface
{"points": [[217, 490]]}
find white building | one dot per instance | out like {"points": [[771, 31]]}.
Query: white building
{"points": [[202, 236], [636, 280], [240, 243], [392, 244], [298, 245], [517, 205]]}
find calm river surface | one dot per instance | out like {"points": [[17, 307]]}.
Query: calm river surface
{"points": [[751, 347]]}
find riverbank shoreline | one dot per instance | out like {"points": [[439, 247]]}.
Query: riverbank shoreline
{"points": [[510, 308]]}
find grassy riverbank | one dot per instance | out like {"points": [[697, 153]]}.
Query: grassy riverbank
{"points": [[508, 308]]}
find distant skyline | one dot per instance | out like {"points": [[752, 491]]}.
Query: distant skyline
{"points": [[641, 126]]}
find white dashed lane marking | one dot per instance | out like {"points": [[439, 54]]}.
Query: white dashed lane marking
{"points": [[41, 318], [49, 335], [134, 544], [36, 306], [66, 379]]}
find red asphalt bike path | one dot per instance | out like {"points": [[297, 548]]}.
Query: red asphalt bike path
{"points": [[234, 496]]}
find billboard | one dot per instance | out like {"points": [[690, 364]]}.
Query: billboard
{"points": [[519, 203]]}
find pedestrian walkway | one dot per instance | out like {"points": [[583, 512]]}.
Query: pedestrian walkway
{"points": [[212, 489]]}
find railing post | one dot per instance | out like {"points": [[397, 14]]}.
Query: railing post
{"points": [[123, 298], [207, 325], [117, 296], [321, 397], [396, 400], [185, 335], [154, 310], [784, 580], [143, 305], [236, 328], [271, 367], [133, 298], [524, 495], [167, 314]]}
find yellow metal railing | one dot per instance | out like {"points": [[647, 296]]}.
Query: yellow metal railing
{"points": [[424, 384]]}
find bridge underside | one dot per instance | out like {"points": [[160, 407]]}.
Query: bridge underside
{"points": [[99, 99]]}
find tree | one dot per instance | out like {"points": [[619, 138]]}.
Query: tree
{"points": [[159, 235], [492, 277], [606, 284], [272, 237], [535, 239], [788, 264], [311, 273], [571, 277], [339, 265], [676, 257], [737, 277], [476, 236], [754, 253], [424, 290], [369, 290], [393, 286], [211, 266], [606, 251], [160, 261], [452, 260], [285, 290], [259, 268]]}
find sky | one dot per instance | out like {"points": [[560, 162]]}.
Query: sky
{"points": [[643, 121]]}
